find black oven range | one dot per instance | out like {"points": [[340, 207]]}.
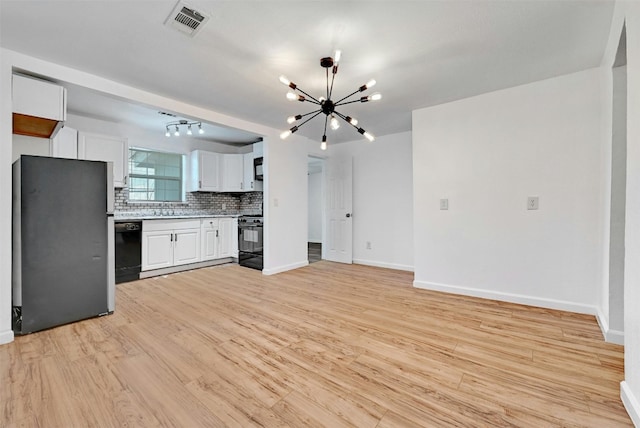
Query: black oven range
{"points": [[250, 234]]}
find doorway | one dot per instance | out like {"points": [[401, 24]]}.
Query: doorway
{"points": [[315, 192]]}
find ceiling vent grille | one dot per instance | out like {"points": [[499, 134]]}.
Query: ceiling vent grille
{"points": [[186, 19]]}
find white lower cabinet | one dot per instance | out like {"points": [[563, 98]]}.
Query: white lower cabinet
{"points": [[210, 234], [167, 243], [228, 237], [219, 238]]}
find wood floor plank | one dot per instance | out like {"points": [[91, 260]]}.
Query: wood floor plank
{"points": [[328, 345]]}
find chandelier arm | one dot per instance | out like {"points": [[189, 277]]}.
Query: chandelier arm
{"points": [[307, 114], [347, 102], [326, 119], [343, 117], [315, 101], [350, 95], [319, 111]]}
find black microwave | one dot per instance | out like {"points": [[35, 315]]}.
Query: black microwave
{"points": [[257, 169]]}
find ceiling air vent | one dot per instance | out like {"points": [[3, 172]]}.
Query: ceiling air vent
{"points": [[186, 19]]}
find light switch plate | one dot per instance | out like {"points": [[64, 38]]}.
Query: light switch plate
{"points": [[444, 204], [532, 203]]}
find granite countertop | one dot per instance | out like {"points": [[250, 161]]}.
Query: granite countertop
{"points": [[128, 216]]}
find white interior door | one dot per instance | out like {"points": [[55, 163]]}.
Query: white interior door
{"points": [[339, 234]]}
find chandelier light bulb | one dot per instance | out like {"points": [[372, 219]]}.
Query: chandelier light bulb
{"points": [[369, 136], [189, 130], [167, 133], [323, 145], [285, 134], [337, 56], [177, 133], [370, 84], [291, 119], [375, 97], [322, 99], [200, 130], [334, 123], [352, 120], [291, 96], [285, 81], [288, 132]]}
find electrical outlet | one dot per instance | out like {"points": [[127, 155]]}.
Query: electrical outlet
{"points": [[444, 204], [368, 245], [532, 203]]}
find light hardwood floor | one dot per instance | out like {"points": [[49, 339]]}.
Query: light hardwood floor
{"points": [[326, 345]]}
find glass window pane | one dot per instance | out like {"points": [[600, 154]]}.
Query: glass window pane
{"points": [[155, 176]]}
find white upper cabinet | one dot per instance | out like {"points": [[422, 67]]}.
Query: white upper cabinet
{"points": [[218, 172], [39, 107], [205, 171], [258, 149], [65, 144], [108, 149], [232, 173], [250, 182]]}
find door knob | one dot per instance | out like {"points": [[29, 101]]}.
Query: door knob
{"points": [[348, 215]]}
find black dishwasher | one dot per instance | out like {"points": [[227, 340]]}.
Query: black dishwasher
{"points": [[128, 250]]}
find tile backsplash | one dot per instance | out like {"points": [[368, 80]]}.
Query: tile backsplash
{"points": [[249, 203]]}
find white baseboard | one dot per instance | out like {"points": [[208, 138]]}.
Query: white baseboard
{"points": [[630, 403], [383, 265], [6, 336], [611, 336], [285, 268], [509, 297]]}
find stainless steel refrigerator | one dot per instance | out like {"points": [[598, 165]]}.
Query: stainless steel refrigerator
{"points": [[63, 256]]}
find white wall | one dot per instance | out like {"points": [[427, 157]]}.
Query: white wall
{"points": [[382, 200], [630, 387], [487, 154], [315, 205], [285, 204], [6, 334]]}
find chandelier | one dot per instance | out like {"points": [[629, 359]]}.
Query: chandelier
{"points": [[326, 105], [178, 123]]}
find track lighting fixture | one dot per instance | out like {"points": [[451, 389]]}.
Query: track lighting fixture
{"points": [[178, 124]]}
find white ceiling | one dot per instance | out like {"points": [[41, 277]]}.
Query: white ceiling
{"points": [[422, 53]]}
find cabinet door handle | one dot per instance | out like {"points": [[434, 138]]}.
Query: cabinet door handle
{"points": [[176, 237], [217, 233], [252, 184], [171, 238], [125, 179]]}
